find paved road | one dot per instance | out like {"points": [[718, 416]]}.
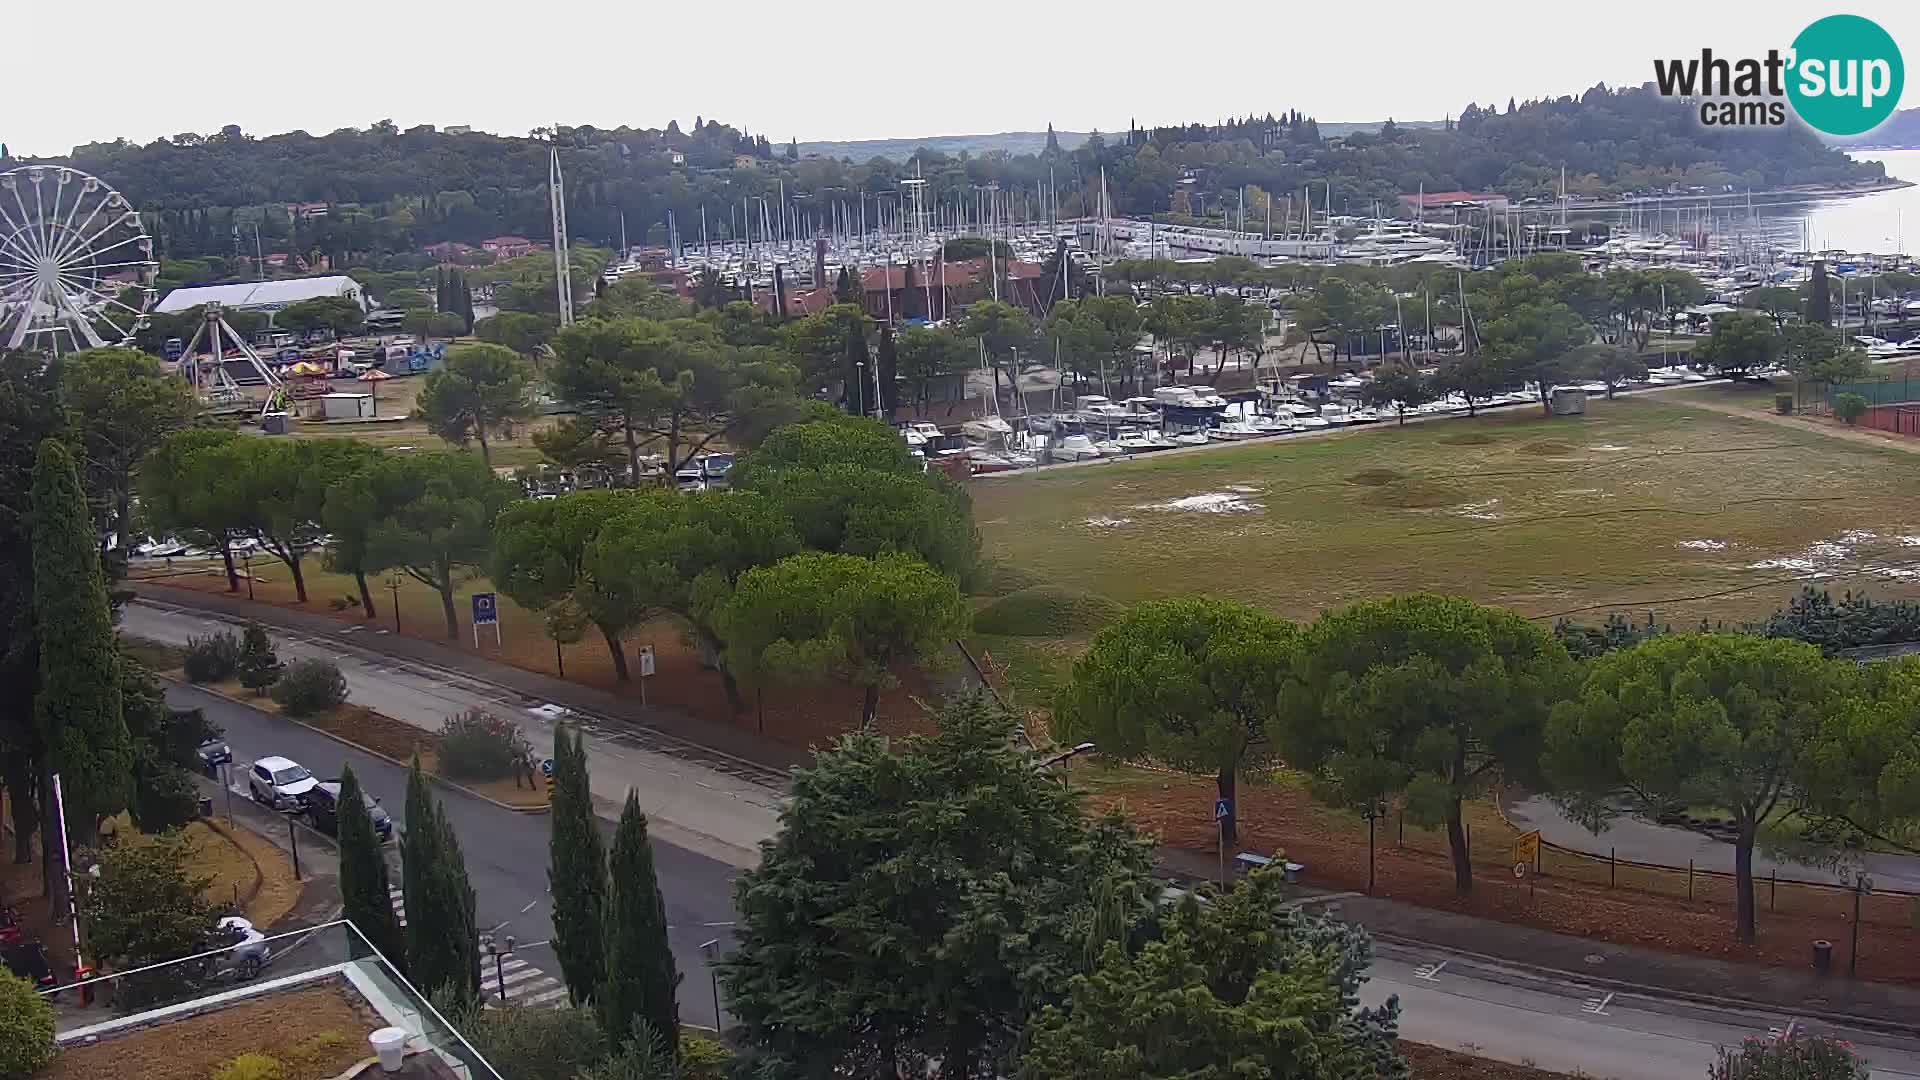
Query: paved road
{"points": [[506, 853], [702, 800], [1562, 1026]]}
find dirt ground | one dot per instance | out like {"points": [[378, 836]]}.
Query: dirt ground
{"points": [[247, 870], [1433, 1063], [314, 1033], [1279, 818]]}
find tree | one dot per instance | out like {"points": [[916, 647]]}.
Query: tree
{"points": [[1532, 340], [78, 704], [1400, 389], [434, 521], [857, 510], [539, 560], [349, 512], [276, 491], [184, 491], [443, 937], [1474, 377], [819, 615], [1720, 720], [1243, 985], [576, 872], [682, 554], [1188, 682], [820, 341], [928, 357], [1821, 354], [878, 932], [520, 331], [1002, 330], [26, 1026], [165, 743], [1820, 295], [640, 979], [145, 907], [260, 667], [1742, 343], [120, 405], [1850, 407], [481, 391], [840, 440], [1610, 364], [1183, 323], [1423, 697], [364, 892], [1776, 302], [334, 313], [573, 442]]}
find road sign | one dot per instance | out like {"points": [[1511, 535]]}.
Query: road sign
{"points": [[1222, 809], [646, 661], [1526, 847], [486, 612], [1520, 870], [546, 766]]}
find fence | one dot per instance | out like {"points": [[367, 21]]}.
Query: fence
{"points": [[1490, 844]]}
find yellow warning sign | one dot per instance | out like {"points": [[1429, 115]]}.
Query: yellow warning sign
{"points": [[1526, 847]]}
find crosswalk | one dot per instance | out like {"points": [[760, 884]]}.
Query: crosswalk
{"points": [[523, 983]]}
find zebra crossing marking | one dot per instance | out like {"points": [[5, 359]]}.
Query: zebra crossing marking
{"points": [[524, 984]]}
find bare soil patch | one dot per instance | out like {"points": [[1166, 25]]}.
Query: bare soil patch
{"points": [[315, 1032]]}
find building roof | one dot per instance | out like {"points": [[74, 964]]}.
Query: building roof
{"points": [[505, 241], [1444, 198], [260, 294]]}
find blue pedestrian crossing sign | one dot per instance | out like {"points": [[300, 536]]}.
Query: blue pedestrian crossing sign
{"points": [[486, 609], [1222, 809]]}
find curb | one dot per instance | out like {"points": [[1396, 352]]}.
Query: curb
{"points": [[370, 752]]}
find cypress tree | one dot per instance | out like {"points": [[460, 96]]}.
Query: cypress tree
{"points": [[443, 938], [576, 873], [640, 979], [363, 873], [78, 707]]}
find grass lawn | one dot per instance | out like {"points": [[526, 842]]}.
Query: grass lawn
{"points": [[1642, 504]]}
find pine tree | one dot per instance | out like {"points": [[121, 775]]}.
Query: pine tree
{"points": [[78, 708], [576, 873], [259, 666], [443, 938], [363, 873], [640, 978]]}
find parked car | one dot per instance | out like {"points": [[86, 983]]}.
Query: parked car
{"points": [[280, 782], [690, 480], [323, 807], [214, 753]]}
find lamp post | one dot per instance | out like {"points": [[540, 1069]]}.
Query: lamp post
{"points": [[293, 839], [711, 950], [393, 589], [246, 558], [499, 953], [1862, 885]]}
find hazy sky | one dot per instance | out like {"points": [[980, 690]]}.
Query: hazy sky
{"points": [[848, 70]]}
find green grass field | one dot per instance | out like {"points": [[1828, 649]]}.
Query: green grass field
{"points": [[1640, 504]]}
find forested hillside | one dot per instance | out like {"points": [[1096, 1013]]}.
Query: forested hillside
{"points": [[390, 190]]}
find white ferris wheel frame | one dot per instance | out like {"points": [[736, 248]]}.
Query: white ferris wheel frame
{"points": [[54, 262]]}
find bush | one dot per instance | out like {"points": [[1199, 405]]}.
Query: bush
{"points": [[1850, 407], [703, 1057], [310, 687], [477, 745], [26, 1029], [1797, 1057], [164, 796], [213, 658], [1045, 611], [251, 1067], [1783, 404], [534, 1044], [259, 666]]}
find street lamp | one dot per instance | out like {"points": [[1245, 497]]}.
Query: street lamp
{"points": [[710, 950], [1862, 885], [499, 953], [293, 838], [246, 558], [393, 590]]}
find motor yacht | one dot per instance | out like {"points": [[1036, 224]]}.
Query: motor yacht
{"points": [[1144, 442], [1075, 448], [1233, 431]]}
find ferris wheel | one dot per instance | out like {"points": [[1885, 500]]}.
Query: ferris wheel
{"points": [[76, 265]]}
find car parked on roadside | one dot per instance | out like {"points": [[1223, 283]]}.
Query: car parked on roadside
{"points": [[281, 783], [323, 808], [214, 753], [248, 952]]}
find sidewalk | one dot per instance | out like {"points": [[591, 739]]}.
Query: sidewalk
{"points": [[1649, 972], [696, 795]]}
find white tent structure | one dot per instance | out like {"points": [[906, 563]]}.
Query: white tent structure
{"points": [[266, 296]]}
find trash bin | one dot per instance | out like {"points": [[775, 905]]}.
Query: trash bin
{"points": [[206, 806], [1823, 956]]}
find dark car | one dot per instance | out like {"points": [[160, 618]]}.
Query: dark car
{"points": [[323, 806], [213, 754]]}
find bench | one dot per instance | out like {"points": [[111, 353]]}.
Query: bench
{"points": [[1247, 862]]}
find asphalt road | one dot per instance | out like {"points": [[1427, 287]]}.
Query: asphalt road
{"points": [[506, 852], [1555, 1023]]}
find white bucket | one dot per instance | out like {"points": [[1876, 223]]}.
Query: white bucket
{"points": [[390, 1043]]}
